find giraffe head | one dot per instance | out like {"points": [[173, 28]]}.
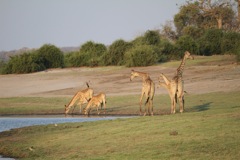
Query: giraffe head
{"points": [[67, 108], [133, 75], [187, 55]]}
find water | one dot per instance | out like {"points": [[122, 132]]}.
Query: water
{"points": [[7, 123]]}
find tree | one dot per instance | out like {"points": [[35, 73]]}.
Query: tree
{"points": [[116, 52], [91, 53], [186, 43], [151, 38], [210, 42], [143, 55], [204, 14], [168, 31], [51, 55]]}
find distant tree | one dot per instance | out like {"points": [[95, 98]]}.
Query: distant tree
{"points": [[90, 53], [230, 42], [51, 56], [210, 42], [143, 55], [151, 37], [24, 63], [204, 14], [116, 52], [168, 31], [186, 43]]}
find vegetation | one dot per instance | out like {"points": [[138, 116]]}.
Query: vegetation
{"points": [[209, 129], [202, 27]]}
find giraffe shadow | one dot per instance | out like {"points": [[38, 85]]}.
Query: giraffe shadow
{"points": [[201, 108]]}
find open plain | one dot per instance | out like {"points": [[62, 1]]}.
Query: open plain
{"points": [[209, 128]]}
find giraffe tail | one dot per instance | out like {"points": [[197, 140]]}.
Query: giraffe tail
{"points": [[147, 100], [176, 98]]}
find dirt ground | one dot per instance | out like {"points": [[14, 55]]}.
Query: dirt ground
{"points": [[201, 78]]}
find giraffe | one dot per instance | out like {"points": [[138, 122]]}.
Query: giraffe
{"points": [[171, 87], [82, 96], [148, 89], [96, 101], [175, 86]]}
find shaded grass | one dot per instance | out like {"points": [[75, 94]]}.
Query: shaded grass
{"points": [[209, 129]]}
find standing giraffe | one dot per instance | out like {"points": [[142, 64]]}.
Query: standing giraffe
{"points": [[171, 87], [176, 85], [148, 89]]}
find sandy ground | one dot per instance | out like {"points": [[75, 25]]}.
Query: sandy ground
{"points": [[210, 77]]}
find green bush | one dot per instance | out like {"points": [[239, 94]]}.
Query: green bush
{"points": [[230, 42], [210, 42], [51, 55], [168, 51], [116, 51], [90, 54], [144, 55], [186, 43], [24, 63]]}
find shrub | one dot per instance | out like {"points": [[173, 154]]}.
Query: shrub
{"points": [[24, 63], [230, 42], [210, 42], [90, 54], [186, 43], [51, 55], [168, 51], [115, 54], [144, 55]]}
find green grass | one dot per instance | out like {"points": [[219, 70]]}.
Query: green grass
{"points": [[203, 60], [209, 129], [32, 105]]}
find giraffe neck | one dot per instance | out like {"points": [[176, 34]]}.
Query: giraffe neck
{"points": [[181, 67], [144, 76]]}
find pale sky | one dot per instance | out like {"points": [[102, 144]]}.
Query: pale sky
{"points": [[67, 23]]}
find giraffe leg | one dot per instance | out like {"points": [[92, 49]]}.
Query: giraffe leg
{"points": [[140, 103], [147, 105], [181, 103], [151, 106], [73, 109], [97, 110], [104, 104], [80, 107]]}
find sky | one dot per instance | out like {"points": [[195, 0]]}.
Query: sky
{"points": [[71, 23]]}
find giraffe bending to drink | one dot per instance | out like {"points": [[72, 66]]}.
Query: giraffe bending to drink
{"points": [[82, 96], [148, 89], [95, 102]]}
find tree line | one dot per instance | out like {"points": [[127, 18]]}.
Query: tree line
{"points": [[201, 27]]}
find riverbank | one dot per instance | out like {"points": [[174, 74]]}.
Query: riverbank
{"points": [[209, 129]]}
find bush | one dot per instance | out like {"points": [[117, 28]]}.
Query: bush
{"points": [[115, 54], [230, 42], [144, 55], [90, 54], [186, 43], [51, 55], [168, 51], [210, 42], [25, 63]]}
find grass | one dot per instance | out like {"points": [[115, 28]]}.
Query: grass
{"points": [[209, 129], [203, 60]]}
